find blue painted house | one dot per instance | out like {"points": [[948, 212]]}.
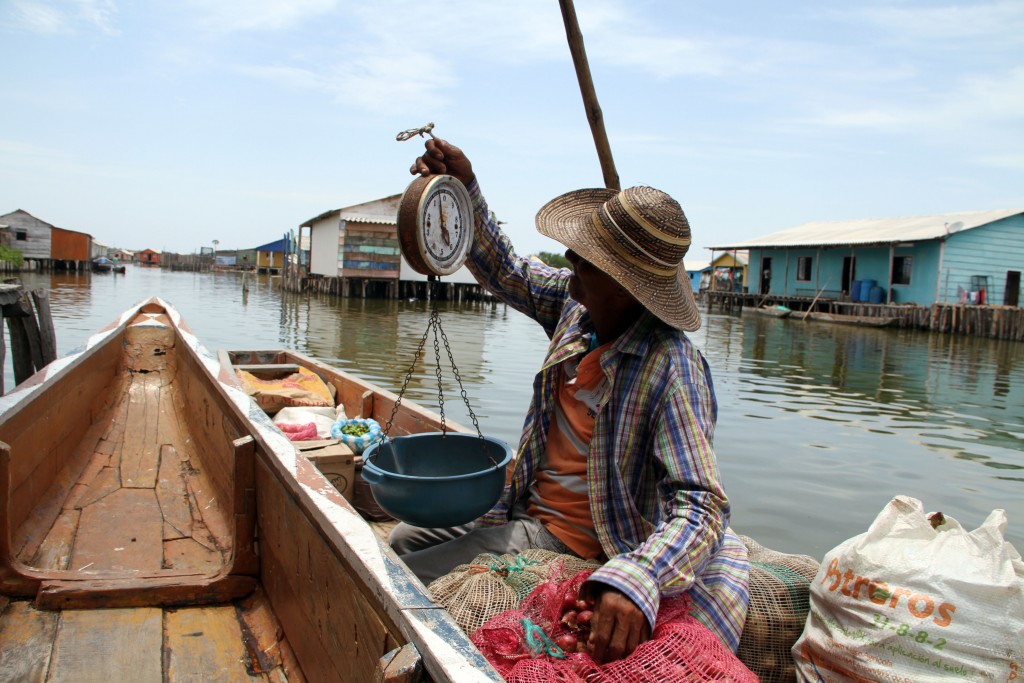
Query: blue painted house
{"points": [[697, 270], [969, 257]]}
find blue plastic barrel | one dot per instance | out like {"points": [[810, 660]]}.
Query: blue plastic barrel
{"points": [[865, 289], [875, 295], [855, 291]]}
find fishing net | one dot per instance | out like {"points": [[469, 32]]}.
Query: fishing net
{"points": [[491, 584], [527, 645], [779, 602]]}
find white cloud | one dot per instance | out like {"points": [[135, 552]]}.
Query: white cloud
{"points": [[380, 82], [226, 16], [39, 18], [954, 22], [99, 13], [967, 102], [65, 16]]}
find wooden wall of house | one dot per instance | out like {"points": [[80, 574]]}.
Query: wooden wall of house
{"points": [[69, 245], [991, 250], [30, 235], [369, 250]]}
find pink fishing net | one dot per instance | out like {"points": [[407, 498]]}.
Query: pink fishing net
{"points": [[521, 645]]}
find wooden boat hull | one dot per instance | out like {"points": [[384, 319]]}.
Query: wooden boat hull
{"points": [[771, 311], [138, 477], [866, 321]]}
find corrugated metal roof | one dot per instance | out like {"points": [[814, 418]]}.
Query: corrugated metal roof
{"points": [[382, 211], [874, 230]]}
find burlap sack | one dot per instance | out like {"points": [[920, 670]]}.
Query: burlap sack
{"points": [[779, 602], [492, 584]]}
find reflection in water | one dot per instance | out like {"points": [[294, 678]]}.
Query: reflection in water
{"points": [[836, 420], [819, 424]]}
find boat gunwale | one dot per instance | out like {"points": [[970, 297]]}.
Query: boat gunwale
{"points": [[442, 644], [403, 600]]}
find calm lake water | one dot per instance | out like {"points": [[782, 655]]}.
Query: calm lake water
{"points": [[819, 425]]}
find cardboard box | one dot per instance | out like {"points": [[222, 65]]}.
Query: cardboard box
{"points": [[335, 460]]}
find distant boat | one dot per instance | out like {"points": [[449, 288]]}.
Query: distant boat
{"points": [[778, 311], [102, 265], [866, 320]]}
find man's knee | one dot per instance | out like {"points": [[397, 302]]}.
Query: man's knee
{"points": [[402, 539]]}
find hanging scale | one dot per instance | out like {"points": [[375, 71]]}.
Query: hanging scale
{"points": [[435, 232]]}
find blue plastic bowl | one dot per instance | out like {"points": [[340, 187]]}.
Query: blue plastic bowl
{"points": [[435, 479]]}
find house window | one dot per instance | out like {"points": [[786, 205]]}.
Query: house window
{"points": [[803, 268], [901, 268], [21, 236]]}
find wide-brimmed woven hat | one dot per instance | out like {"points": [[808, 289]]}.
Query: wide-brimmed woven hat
{"points": [[638, 236]]}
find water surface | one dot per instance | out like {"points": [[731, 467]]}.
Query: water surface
{"points": [[819, 425]]}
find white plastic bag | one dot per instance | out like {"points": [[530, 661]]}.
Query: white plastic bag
{"points": [[909, 603], [323, 417]]}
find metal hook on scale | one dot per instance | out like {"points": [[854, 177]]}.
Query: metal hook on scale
{"points": [[413, 132]]}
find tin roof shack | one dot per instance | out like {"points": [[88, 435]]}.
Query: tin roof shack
{"points": [[270, 257], [359, 245], [45, 246], [699, 273], [70, 246], [920, 259], [728, 272], [149, 257]]}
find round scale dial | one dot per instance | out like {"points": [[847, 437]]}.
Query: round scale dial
{"points": [[435, 224]]}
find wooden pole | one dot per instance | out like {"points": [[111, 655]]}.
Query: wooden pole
{"points": [[47, 334], [594, 116], [811, 307]]}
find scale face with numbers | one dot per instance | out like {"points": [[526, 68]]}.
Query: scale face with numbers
{"points": [[435, 224]]}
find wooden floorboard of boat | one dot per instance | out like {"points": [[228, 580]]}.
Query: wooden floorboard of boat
{"points": [[26, 641], [238, 641], [139, 501], [121, 531], [100, 646]]}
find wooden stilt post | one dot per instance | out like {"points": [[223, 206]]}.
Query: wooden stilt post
{"points": [[47, 333]]}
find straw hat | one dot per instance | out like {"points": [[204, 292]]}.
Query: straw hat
{"points": [[638, 236]]}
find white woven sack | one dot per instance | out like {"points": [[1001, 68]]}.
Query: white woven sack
{"points": [[908, 602]]}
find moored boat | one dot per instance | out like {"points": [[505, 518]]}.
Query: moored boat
{"points": [[147, 501], [773, 311], [845, 319], [102, 265]]}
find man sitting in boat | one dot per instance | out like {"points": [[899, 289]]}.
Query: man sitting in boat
{"points": [[616, 460]]}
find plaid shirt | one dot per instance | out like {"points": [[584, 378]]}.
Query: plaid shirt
{"points": [[659, 509]]}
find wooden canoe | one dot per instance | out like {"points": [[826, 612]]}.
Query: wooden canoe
{"points": [[865, 320], [772, 311], [156, 526]]}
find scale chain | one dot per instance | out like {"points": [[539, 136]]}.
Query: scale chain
{"points": [[405, 384], [434, 323], [458, 378]]}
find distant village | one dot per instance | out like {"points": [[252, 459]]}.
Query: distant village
{"points": [[971, 258]]}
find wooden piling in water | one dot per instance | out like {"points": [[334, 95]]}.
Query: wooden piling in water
{"points": [[995, 322], [30, 327]]}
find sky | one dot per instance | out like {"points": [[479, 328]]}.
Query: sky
{"points": [[168, 125]]}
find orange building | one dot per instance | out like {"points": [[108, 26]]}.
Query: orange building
{"points": [[69, 245]]}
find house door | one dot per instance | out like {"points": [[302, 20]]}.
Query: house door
{"points": [[766, 276], [1011, 296], [849, 271]]}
